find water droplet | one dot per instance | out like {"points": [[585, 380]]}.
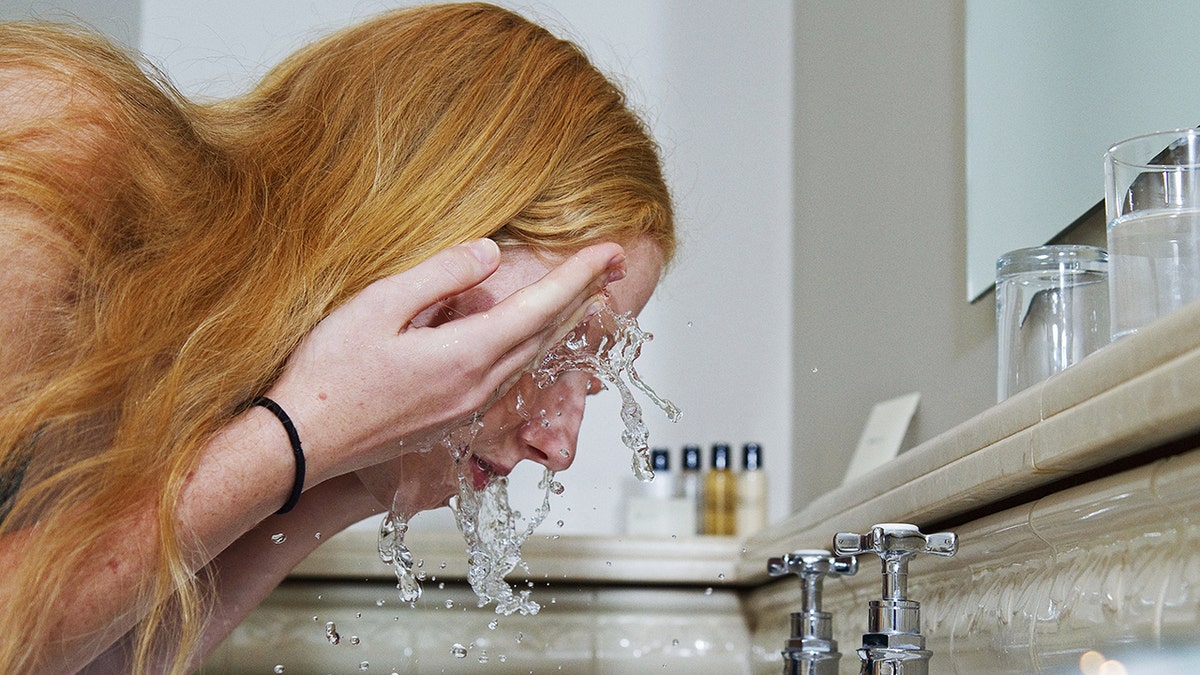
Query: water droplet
{"points": [[278, 669], [449, 604], [560, 523], [317, 536], [564, 452], [493, 623], [556, 487], [278, 538], [354, 641], [708, 591], [459, 651], [721, 577], [364, 665], [331, 633], [689, 324], [379, 602], [674, 643]]}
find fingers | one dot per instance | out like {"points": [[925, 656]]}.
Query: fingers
{"points": [[535, 317], [442, 275], [549, 303]]}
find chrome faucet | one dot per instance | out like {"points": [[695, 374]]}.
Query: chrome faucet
{"points": [[811, 650], [893, 644]]}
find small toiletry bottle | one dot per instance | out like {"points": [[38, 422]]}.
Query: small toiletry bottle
{"points": [[751, 491], [720, 494], [690, 487], [648, 506], [663, 485]]}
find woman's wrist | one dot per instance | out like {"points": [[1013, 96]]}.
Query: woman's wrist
{"points": [[243, 475]]}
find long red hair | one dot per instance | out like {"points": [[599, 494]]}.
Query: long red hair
{"points": [[199, 243]]}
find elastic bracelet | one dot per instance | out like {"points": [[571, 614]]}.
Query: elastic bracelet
{"points": [[297, 451]]}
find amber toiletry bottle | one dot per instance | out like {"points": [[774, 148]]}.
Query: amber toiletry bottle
{"points": [[720, 494]]}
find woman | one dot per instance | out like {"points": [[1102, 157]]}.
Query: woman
{"points": [[379, 239]]}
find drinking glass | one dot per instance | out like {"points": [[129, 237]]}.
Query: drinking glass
{"points": [[1051, 311], [1152, 201]]}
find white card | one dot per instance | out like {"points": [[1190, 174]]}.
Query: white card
{"points": [[883, 434]]}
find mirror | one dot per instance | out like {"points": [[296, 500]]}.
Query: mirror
{"points": [[1049, 87]]}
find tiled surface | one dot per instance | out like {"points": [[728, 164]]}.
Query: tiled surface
{"points": [[579, 630]]}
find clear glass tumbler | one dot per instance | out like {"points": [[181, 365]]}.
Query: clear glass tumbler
{"points": [[1051, 311], [1152, 200]]}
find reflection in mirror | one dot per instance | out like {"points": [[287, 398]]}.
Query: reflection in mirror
{"points": [[1049, 87]]}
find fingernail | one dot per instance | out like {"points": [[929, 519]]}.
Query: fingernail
{"points": [[616, 269], [485, 250]]}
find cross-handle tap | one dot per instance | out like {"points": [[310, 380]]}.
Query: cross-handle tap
{"points": [[811, 650], [893, 643]]}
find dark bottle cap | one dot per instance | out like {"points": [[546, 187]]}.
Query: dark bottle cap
{"points": [[691, 458], [752, 456], [720, 456], [660, 459]]}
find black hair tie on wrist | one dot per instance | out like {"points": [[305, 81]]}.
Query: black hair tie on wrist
{"points": [[297, 451]]}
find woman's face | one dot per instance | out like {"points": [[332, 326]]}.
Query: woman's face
{"points": [[528, 422]]}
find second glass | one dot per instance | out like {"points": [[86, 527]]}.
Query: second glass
{"points": [[1152, 201]]}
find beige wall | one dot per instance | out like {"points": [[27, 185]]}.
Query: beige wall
{"points": [[880, 240]]}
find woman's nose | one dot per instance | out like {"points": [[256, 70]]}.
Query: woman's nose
{"points": [[553, 427]]}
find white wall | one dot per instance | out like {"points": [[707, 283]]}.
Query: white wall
{"points": [[713, 79]]}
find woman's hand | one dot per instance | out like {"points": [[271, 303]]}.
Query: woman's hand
{"points": [[372, 376]]}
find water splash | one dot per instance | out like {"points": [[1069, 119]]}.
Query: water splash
{"points": [[393, 551], [605, 345], [494, 534]]}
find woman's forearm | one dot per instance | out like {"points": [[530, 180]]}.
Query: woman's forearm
{"points": [[243, 574]]}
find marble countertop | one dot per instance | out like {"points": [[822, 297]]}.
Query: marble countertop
{"points": [[1136, 394]]}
